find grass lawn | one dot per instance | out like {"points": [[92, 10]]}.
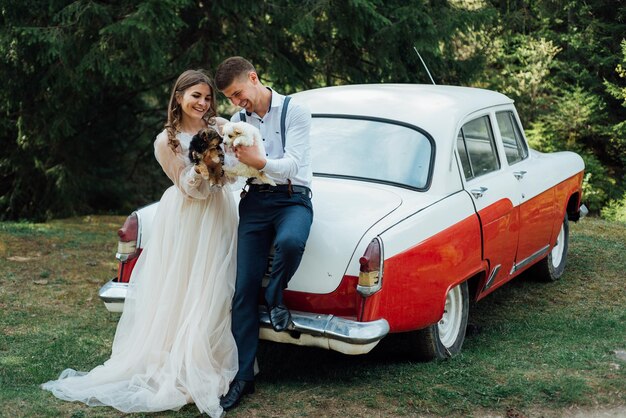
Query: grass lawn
{"points": [[534, 349]]}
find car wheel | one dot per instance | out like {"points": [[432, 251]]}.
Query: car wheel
{"points": [[551, 267], [445, 338]]}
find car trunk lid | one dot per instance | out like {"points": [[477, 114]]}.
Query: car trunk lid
{"points": [[347, 209]]}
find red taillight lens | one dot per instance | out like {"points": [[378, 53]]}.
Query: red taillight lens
{"points": [[128, 233], [371, 259], [370, 274]]}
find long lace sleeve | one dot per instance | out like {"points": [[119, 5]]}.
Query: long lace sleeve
{"points": [[180, 170]]}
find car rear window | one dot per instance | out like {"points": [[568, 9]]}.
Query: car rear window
{"points": [[376, 150]]}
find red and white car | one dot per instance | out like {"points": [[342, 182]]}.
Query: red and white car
{"points": [[425, 198]]}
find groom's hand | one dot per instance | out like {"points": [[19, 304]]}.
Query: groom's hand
{"points": [[251, 156]]}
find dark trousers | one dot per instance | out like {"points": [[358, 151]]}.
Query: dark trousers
{"points": [[265, 218]]}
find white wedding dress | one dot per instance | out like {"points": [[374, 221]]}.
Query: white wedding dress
{"points": [[173, 343]]}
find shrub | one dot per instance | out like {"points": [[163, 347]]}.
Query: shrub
{"points": [[598, 186], [615, 210]]}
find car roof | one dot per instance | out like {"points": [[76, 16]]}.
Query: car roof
{"points": [[424, 105], [436, 109]]}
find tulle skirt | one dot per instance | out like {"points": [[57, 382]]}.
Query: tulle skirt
{"points": [[173, 343]]}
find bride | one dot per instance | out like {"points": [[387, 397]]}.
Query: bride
{"points": [[173, 343]]}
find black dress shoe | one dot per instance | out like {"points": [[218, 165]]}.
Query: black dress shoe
{"points": [[238, 388], [280, 318]]}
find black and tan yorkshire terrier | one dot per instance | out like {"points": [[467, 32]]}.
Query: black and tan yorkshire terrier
{"points": [[207, 145]]}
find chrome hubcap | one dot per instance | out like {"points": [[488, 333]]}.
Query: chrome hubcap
{"points": [[557, 250], [450, 323]]}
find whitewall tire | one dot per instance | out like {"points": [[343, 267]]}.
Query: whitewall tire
{"points": [[551, 267], [445, 338]]}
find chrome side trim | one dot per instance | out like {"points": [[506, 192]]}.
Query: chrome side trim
{"points": [[530, 259], [492, 276], [332, 327]]}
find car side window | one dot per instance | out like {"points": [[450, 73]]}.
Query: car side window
{"points": [[477, 148], [515, 148]]}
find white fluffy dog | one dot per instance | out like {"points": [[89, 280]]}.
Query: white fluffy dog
{"points": [[243, 134]]}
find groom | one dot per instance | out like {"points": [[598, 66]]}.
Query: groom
{"points": [[278, 216]]}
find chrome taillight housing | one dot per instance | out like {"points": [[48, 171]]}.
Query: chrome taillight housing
{"points": [[128, 249], [128, 238], [371, 268]]}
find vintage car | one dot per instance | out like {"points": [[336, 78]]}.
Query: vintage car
{"points": [[426, 198]]}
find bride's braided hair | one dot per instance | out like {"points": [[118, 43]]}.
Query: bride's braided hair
{"points": [[174, 112]]}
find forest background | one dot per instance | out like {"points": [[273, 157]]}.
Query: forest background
{"points": [[85, 83]]}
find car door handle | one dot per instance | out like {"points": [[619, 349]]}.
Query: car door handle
{"points": [[478, 193], [519, 174]]}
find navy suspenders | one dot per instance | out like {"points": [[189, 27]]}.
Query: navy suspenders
{"points": [[283, 118]]}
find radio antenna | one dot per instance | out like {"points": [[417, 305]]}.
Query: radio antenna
{"points": [[424, 64]]}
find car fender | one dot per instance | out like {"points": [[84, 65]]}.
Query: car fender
{"points": [[425, 255]]}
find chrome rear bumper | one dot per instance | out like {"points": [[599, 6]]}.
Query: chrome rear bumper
{"points": [[582, 212], [113, 295], [310, 329], [327, 331]]}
